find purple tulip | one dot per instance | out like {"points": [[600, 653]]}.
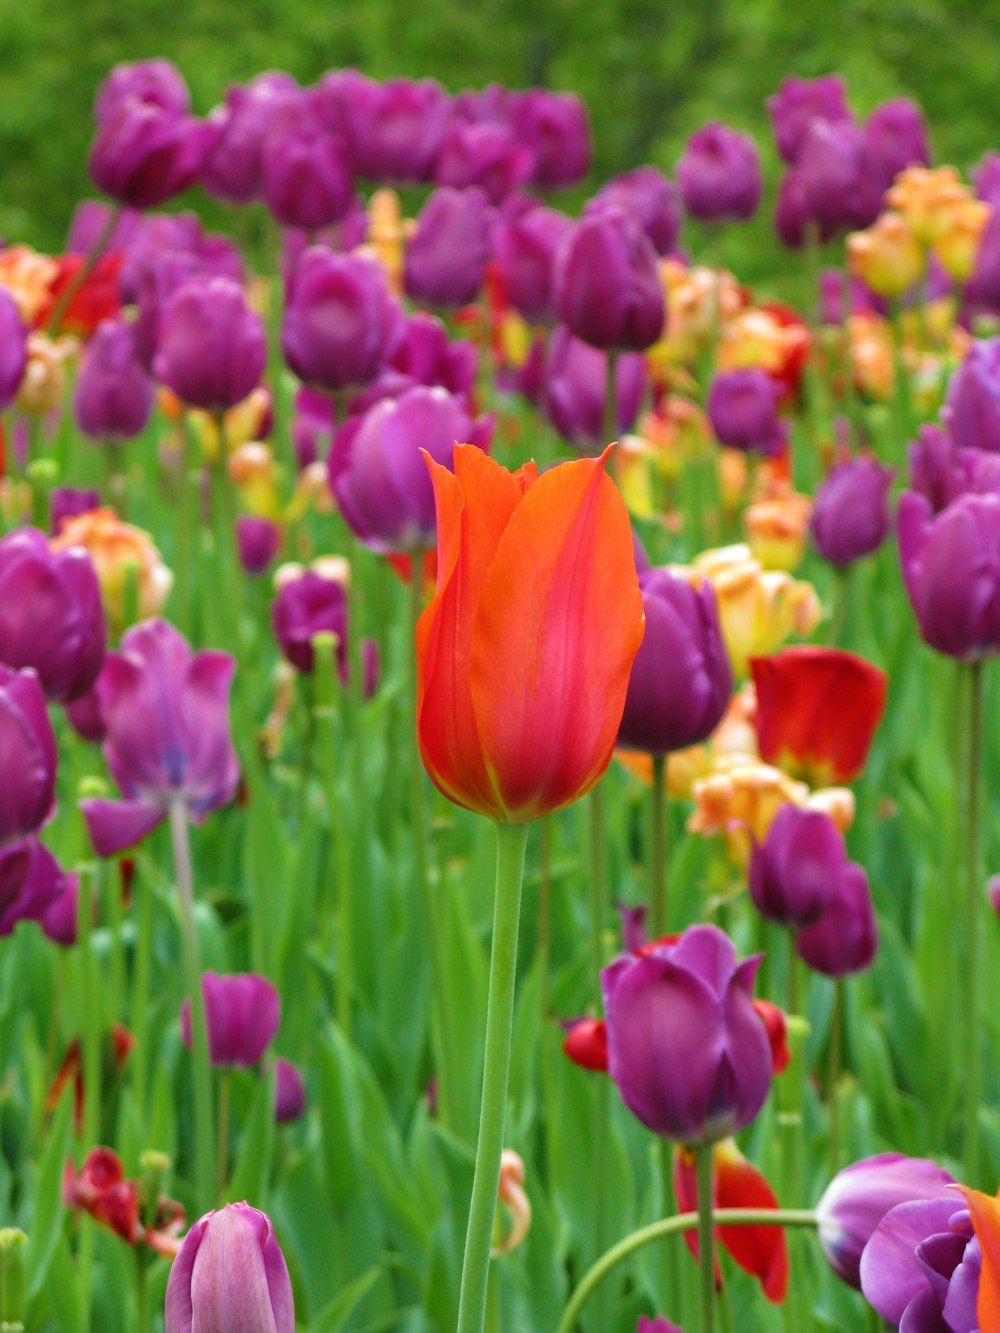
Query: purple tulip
{"points": [[27, 755], [424, 354], [211, 348], [555, 128], [973, 403], [858, 1197], [576, 378], [941, 473], [67, 502], [113, 398], [166, 714], [340, 320], [743, 410], [230, 1274], [845, 938], [922, 1266], [51, 615], [31, 883], [681, 679], [951, 569], [850, 517], [795, 872], [395, 129], [525, 249], [651, 198], [839, 178], [607, 283], [377, 470], [60, 920], [289, 1092], [156, 82], [242, 1013], [268, 103], [311, 604], [658, 1325], [13, 349], [143, 154], [798, 102], [719, 175], [91, 220], [484, 155], [258, 541], [986, 179], [896, 136], [685, 1046], [447, 255], [169, 238], [306, 177], [983, 288]]}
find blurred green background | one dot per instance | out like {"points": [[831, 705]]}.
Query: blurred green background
{"points": [[650, 72]]}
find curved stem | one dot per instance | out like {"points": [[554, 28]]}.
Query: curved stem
{"points": [[706, 1235], [669, 1226], [511, 839], [973, 944]]}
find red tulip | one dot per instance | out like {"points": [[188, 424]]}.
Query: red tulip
{"points": [[817, 710], [524, 652]]}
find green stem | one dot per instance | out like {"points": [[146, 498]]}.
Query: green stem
{"points": [[973, 965], [511, 839], [833, 1075], [338, 903], [201, 1067], [595, 822], [706, 1235], [670, 1226], [91, 1063], [140, 995], [658, 848]]}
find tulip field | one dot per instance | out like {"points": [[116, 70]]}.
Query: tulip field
{"points": [[499, 792]]}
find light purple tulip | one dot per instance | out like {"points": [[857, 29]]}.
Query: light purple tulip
{"points": [[484, 155], [446, 256], [395, 129], [941, 472], [289, 1092], [921, 1268], [258, 541], [27, 755], [211, 347], [306, 177], [13, 349], [230, 1274], [607, 285], [658, 1325], [576, 378], [242, 1013], [267, 104], [113, 397], [850, 517], [844, 939], [798, 102], [525, 249], [157, 82], [840, 179], [685, 1046], [973, 404], [651, 198], [143, 155], [719, 174], [554, 126], [91, 220], [896, 135]]}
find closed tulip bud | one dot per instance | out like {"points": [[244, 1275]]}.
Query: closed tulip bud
{"points": [[798, 102], [51, 617], [681, 680], [395, 129], [554, 127], [743, 410], [719, 175], [145, 154], [983, 288], [446, 256], [974, 398], [576, 378], [525, 248], [859, 1197], [685, 1046], [232, 169], [851, 516], [607, 284], [896, 135], [306, 177], [258, 541], [27, 755], [156, 82], [289, 1092], [487, 156], [844, 939], [794, 872], [340, 319], [312, 602], [658, 1325], [13, 349], [120, 552], [211, 348], [652, 199], [113, 398], [839, 178], [230, 1274], [424, 354], [242, 1013]]}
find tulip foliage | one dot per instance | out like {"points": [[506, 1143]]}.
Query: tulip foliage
{"points": [[319, 559]]}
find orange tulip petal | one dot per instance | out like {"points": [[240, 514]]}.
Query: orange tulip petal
{"points": [[986, 1220], [558, 623]]}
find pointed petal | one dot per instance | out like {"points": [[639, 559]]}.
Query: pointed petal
{"points": [[113, 825], [986, 1220]]}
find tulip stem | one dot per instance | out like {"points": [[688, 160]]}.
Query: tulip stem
{"points": [[658, 849], [973, 909], [143, 899], [670, 1226], [91, 1063], [706, 1235], [201, 1067], [511, 839]]}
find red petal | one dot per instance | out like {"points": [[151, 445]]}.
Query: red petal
{"points": [[760, 1250], [776, 1026], [586, 1044]]}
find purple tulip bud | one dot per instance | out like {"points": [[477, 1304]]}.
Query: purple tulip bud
{"points": [[113, 398], [607, 283], [839, 178], [27, 755], [986, 179], [446, 256], [798, 102], [242, 1013], [90, 221], [13, 349], [168, 239], [230, 1274], [269, 103], [851, 517], [485, 155], [681, 679], [685, 1046], [211, 347], [651, 198], [576, 379], [974, 398], [156, 82], [993, 893], [845, 938], [258, 541], [144, 154], [525, 248], [289, 1092], [743, 410], [67, 502], [922, 1266], [658, 1325], [51, 615], [719, 175], [424, 354], [340, 319], [983, 288], [951, 569], [791, 210], [941, 473], [395, 128], [554, 127], [166, 713], [896, 136], [31, 882], [60, 920], [859, 1197], [306, 177], [378, 473], [795, 872], [305, 606]]}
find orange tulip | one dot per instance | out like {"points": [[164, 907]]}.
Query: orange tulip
{"points": [[524, 652], [985, 1212]]}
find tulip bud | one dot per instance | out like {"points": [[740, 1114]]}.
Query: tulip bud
{"points": [[607, 284], [851, 516], [446, 256], [554, 127], [794, 872], [211, 347], [113, 398], [719, 174], [289, 1092], [798, 102], [242, 1013]]}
